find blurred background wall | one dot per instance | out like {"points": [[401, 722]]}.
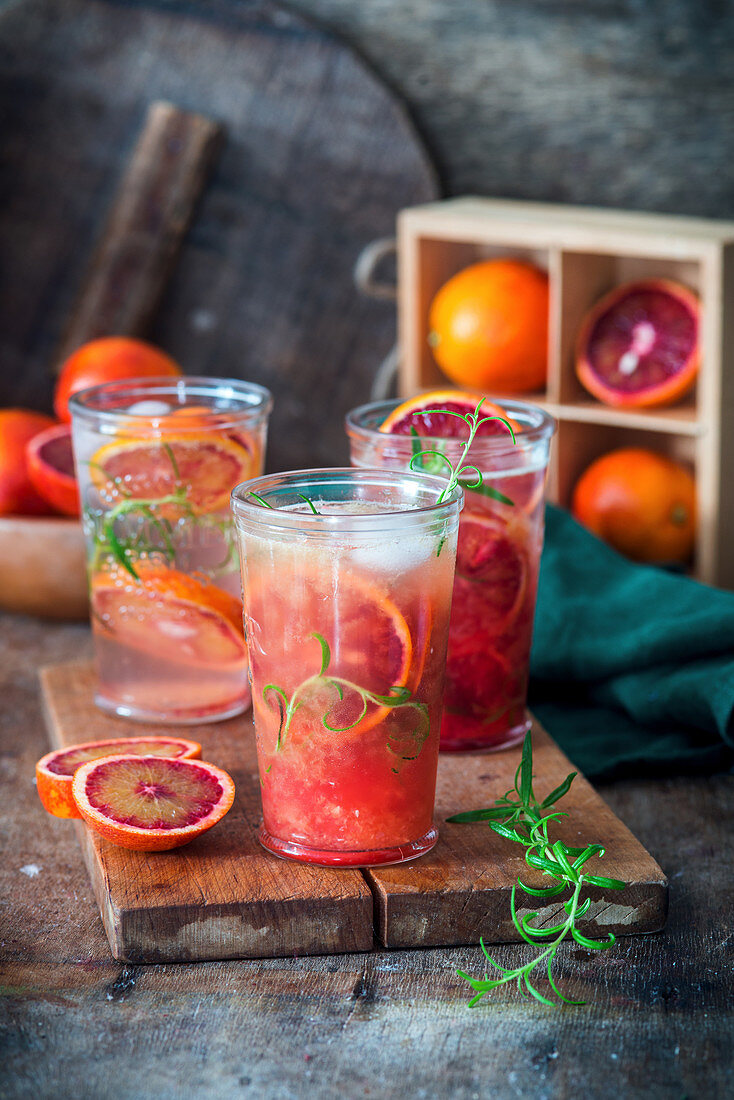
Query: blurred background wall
{"points": [[625, 103]]}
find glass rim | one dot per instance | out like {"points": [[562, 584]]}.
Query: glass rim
{"points": [[354, 523], [544, 428], [258, 406]]}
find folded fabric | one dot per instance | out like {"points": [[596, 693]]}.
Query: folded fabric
{"points": [[632, 667]]}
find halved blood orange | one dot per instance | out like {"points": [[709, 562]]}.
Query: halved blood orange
{"points": [[50, 464], [639, 345], [172, 614], [55, 770], [206, 466], [150, 803], [370, 641], [411, 416]]}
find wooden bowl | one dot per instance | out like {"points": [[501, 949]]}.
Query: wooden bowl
{"points": [[43, 567]]}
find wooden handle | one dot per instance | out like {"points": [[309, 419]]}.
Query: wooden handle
{"points": [[145, 227]]}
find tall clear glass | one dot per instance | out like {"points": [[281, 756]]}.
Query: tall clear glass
{"points": [[346, 620], [156, 462], [497, 565]]}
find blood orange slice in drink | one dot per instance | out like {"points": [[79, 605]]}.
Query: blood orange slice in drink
{"points": [[55, 770], [150, 803], [203, 466], [50, 463], [412, 416], [491, 573], [639, 345], [372, 651], [170, 614]]}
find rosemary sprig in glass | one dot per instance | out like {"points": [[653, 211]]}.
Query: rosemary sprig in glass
{"points": [[520, 817], [395, 698], [459, 472]]}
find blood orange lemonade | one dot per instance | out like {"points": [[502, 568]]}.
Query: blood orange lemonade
{"points": [[347, 579], [499, 545], [156, 462]]}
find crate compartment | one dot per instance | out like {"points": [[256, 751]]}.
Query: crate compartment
{"points": [[585, 278], [578, 444], [431, 265]]}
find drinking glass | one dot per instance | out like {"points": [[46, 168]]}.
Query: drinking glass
{"points": [[156, 462], [497, 565], [347, 578]]}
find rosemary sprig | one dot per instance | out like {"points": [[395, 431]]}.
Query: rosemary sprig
{"points": [[520, 817], [459, 471], [395, 697]]}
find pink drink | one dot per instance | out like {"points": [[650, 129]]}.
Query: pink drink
{"points": [[497, 563], [346, 616], [156, 463]]}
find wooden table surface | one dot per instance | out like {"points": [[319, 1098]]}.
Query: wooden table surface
{"points": [[76, 1024]]}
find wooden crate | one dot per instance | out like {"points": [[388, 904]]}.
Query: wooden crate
{"points": [[587, 252]]}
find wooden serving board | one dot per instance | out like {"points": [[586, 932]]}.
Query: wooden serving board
{"points": [[223, 896]]}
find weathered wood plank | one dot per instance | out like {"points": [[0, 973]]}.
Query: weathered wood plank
{"points": [[222, 896], [461, 890], [145, 227]]}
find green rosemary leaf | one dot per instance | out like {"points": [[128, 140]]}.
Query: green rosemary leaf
{"points": [[118, 550], [261, 500], [605, 883], [556, 990], [325, 652], [559, 791], [542, 891], [593, 945], [538, 996], [583, 908], [493, 813], [488, 491], [309, 502], [526, 770], [559, 851], [585, 856], [416, 443], [169, 451]]}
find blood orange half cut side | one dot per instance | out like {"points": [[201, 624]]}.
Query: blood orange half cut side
{"points": [[204, 466], [150, 803], [411, 416], [55, 770], [639, 346], [50, 463], [169, 613]]}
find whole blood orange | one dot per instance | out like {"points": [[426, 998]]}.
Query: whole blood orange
{"points": [[109, 359], [18, 495], [641, 503], [639, 347], [489, 327], [50, 462], [151, 803], [55, 770]]}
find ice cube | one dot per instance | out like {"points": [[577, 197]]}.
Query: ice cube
{"points": [[149, 408]]}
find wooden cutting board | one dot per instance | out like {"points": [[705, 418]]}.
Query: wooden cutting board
{"points": [[223, 896]]}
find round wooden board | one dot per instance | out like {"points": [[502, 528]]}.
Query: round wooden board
{"points": [[318, 160]]}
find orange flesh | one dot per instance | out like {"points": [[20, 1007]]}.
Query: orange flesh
{"points": [[66, 762], [206, 467], [153, 794]]}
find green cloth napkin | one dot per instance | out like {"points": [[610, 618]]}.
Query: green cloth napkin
{"points": [[632, 667]]}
